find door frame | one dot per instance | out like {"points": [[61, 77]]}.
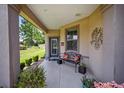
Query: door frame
{"points": [[50, 46]]}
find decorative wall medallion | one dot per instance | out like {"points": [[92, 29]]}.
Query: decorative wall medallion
{"points": [[97, 37]]}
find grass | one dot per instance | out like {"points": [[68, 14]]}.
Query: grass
{"points": [[31, 52]]}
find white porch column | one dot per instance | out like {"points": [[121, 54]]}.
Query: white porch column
{"points": [[9, 45]]}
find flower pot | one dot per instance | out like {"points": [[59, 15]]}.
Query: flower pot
{"points": [[59, 61], [83, 86], [82, 69]]}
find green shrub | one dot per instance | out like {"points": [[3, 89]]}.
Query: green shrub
{"points": [[43, 56], [22, 65], [32, 78], [82, 65], [28, 61], [23, 47], [35, 59]]}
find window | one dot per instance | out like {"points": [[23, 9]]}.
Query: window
{"points": [[71, 39]]}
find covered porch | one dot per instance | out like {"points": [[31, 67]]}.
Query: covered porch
{"points": [[95, 31]]}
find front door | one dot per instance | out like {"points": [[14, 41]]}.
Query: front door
{"points": [[54, 47]]}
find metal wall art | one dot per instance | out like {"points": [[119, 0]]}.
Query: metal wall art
{"points": [[97, 37]]}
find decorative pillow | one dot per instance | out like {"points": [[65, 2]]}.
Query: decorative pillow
{"points": [[76, 58], [65, 57]]}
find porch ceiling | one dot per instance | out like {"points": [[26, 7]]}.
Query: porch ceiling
{"points": [[55, 16]]}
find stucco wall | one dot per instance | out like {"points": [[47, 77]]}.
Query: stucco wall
{"points": [[95, 20], [108, 45], [4, 47], [83, 35], [119, 43], [53, 33], [14, 44], [113, 54]]}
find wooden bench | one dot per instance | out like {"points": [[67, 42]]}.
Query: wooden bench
{"points": [[72, 57]]}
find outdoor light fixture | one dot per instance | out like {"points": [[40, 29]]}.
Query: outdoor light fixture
{"points": [[78, 14]]}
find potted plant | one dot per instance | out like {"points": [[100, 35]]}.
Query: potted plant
{"points": [[87, 83], [82, 68], [59, 61]]}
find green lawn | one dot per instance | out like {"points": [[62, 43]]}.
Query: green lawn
{"points": [[31, 52]]}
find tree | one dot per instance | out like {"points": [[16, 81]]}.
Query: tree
{"points": [[30, 34], [38, 36]]}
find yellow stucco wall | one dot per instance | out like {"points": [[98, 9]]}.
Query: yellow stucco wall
{"points": [[83, 35], [95, 20], [53, 33]]}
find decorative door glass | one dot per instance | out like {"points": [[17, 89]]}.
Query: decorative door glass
{"points": [[54, 46]]}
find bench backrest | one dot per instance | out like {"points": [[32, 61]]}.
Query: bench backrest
{"points": [[72, 54]]}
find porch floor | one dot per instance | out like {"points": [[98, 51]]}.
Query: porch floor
{"points": [[61, 76]]}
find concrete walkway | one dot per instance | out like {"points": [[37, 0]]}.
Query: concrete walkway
{"points": [[61, 76]]}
